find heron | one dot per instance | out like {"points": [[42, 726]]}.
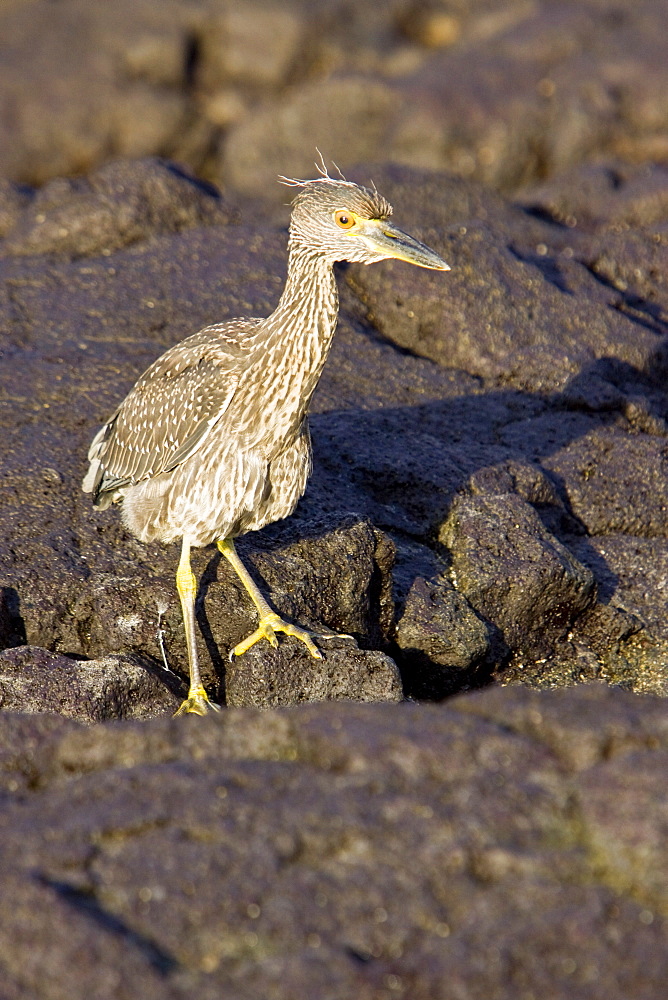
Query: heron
{"points": [[213, 441]]}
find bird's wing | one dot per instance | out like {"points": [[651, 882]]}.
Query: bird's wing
{"points": [[166, 417]]}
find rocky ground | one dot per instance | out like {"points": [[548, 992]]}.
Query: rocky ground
{"points": [[502, 91], [489, 496], [487, 514], [492, 846]]}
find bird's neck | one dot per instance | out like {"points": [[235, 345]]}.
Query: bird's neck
{"points": [[310, 293], [304, 321]]}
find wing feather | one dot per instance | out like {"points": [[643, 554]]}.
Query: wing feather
{"points": [[168, 414]]}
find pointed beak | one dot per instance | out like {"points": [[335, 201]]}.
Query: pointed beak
{"points": [[385, 238]]}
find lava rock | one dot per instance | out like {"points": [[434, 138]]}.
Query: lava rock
{"points": [[35, 680], [441, 639], [615, 482], [119, 204], [332, 570], [504, 96], [511, 277], [289, 675], [340, 849], [514, 572], [398, 438]]}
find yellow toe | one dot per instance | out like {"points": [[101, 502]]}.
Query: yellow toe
{"points": [[272, 623], [197, 703]]}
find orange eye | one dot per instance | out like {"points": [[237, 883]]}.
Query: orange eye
{"points": [[346, 220]]}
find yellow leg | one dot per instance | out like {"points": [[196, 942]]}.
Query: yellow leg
{"points": [[186, 584], [270, 623]]}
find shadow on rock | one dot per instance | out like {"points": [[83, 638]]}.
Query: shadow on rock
{"points": [[501, 494], [12, 626]]}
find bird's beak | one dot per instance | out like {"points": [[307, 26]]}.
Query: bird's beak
{"points": [[387, 239]]}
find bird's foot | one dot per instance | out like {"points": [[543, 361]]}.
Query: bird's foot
{"points": [[197, 703], [272, 623]]}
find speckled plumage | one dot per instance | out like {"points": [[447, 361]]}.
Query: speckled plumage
{"points": [[213, 439]]}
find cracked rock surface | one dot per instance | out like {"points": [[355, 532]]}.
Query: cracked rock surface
{"points": [[507, 841]]}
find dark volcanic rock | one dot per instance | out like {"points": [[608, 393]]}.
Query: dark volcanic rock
{"points": [[441, 637], [603, 196], [615, 482], [333, 570], [506, 96], [506, 843], [488, 504], [518, 306], [349, 118], [631, 573], [503, 94], [120, 204], [289, 675], [20, 735], [538, 88], [108, 81], [34, 680], [507, 564], [13, 200]]}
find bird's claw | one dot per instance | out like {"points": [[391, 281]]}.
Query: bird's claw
{"points": [[197, 703], [273, 623]]}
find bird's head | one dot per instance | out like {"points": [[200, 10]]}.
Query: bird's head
{"points": [[339, 220]]}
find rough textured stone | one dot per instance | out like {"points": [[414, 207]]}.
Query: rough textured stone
{"points": [[110, 80], [631, 573], [34, 680], [615, 482], [441, 637], [509, 844], [506, 95], [510, 278], [349, 118], [289, 675], [120, 204], [501, 844], [334, 570], [507, 564], [254, 45], [627, 823], [519, 94], [603, 196]]}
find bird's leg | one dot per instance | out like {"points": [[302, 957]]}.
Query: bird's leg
{"points": [[186, 584], [270, 622]]}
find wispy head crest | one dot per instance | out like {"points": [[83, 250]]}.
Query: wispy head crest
{"points": [[321, 167], [367, 202]]}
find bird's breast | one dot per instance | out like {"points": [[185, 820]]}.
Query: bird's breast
{"points": [[273, 398]]}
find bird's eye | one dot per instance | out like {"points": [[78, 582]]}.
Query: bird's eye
{"points": [[344, 219]]}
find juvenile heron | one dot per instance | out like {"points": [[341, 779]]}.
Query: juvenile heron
{"points": [[213, 439]]}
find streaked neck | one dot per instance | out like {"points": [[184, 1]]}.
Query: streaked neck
{"points": [[303, 323]]}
